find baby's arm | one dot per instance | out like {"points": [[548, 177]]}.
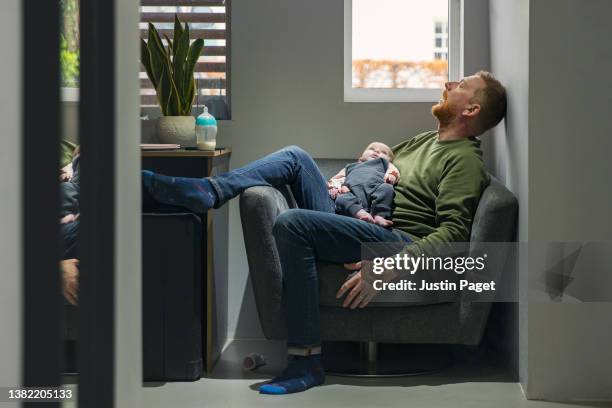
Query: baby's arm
{"points": [[392, 175]]}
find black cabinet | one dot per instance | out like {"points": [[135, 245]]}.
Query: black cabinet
{"points": [[172, 292], [212, 257]]}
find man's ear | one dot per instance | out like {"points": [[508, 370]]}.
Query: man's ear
{"points": [[471, 110]]}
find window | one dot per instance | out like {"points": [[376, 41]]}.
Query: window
{"points": [[400, 50], [209, 20], [69, 51]]}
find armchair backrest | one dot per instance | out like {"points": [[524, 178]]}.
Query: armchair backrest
{"points": [[495, 218]]}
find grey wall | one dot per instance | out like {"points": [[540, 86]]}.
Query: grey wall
{"points": [[128, 303], [508, 148], [70, 121], [477, 55], [10, 185], [554, 57], [569, 187], [287, 76]]}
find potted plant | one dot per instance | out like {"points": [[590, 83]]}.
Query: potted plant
{"points": [[170, 70]]}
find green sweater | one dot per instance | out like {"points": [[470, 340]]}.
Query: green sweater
{"points": [[438, 191]]}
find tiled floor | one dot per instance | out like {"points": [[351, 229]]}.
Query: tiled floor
{"points": [[462, 386]]}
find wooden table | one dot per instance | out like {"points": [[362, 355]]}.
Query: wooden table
{"points": [[200, 163]]}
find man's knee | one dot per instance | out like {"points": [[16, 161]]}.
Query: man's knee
{"points": [[297, 151], [289, 223]]}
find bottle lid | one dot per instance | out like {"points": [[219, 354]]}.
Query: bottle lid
{"points": [[206, 119]]}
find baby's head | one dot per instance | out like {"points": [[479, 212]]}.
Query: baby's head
{"points": [[376, 150]]}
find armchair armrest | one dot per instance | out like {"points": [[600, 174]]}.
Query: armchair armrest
{"points": [[259, 208]]}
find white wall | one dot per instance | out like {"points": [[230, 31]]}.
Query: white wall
{"points": [[11, 268], [287, 78]]}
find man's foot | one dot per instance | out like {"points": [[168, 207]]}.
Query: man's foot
{"points": [[194, 194], [363, 215], [302, 373], [383, 222]]}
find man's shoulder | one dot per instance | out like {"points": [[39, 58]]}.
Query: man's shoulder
{"points": [[421, 137], [468, 159], [469, 150]]}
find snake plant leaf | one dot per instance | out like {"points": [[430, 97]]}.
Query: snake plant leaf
{"points": [[169, 44], [175, 106], [145, 58], [192, 58], [163, 91], [171, 69], [190, 93], [178, 32], [181, 48], [157, 43], [159, 57]]}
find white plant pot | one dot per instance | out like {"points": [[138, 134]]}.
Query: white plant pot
{"points": [[176, 129]]}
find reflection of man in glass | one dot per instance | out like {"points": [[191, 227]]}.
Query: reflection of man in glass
{"points": [[69, 227], [442, 176]]}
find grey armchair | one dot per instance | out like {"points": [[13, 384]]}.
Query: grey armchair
{"points": [[455, 322]]}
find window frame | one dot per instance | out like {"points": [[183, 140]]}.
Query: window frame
{"points": [[455, 63], [154, 111]]}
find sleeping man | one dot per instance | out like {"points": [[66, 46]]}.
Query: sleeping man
{"points": [[442, 178]]}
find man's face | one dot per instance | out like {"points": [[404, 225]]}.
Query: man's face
{"points": [[376, 150], [457, 99]]}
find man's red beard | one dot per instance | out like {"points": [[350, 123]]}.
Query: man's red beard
{"points": [[443, 111]]}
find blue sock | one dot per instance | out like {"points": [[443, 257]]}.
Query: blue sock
{"points": [[195, 194], [302, 373]]}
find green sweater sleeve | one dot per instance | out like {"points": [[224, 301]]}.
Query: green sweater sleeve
{"points": [[461, 183]]}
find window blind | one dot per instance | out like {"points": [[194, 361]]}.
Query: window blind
{"points": [[209, 20]]}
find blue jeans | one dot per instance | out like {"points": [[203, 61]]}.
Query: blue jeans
{"points": [[69, 234], [312, 233]]}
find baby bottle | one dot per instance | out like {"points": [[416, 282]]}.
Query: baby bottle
{"points": [[206, 131]]}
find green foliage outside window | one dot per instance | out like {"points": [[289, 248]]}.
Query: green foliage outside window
{"points": [[69, 43]]}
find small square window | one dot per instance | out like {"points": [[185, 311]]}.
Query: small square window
{"points": [[400, 50]]}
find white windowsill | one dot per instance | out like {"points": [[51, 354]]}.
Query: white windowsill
{"points": [[69, 95], [391, 95]]}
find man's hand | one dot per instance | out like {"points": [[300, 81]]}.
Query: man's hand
{"points": [[360, 292], [66, 173], [70, 280], [69, 218]]}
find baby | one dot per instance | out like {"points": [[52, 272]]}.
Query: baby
{"points": [[364, 189]]}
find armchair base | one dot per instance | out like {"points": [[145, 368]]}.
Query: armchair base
{"points": [[371, 359]]}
